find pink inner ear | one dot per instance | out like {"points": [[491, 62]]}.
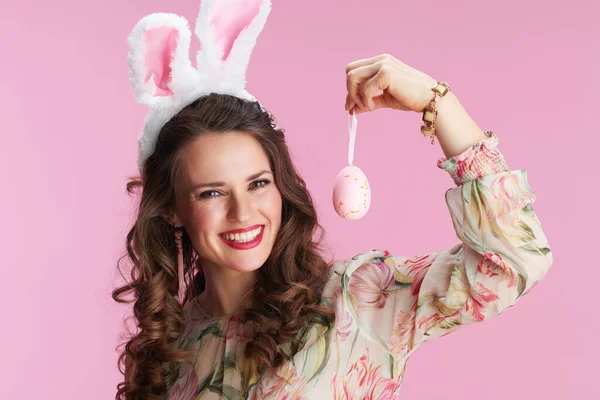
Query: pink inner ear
{"points": [[228, 18], [159, 48]]}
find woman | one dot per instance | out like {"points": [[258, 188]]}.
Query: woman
{"points": [[267, 317], [233, 298]]}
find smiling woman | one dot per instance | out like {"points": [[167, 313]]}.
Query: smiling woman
{"points": [[256, 317], [232, 296], [239, 227]]}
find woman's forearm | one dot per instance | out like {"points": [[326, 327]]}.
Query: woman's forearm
{"points": [[455, 129]]}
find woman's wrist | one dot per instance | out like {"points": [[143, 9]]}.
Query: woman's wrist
{"points": [[455, 130]]}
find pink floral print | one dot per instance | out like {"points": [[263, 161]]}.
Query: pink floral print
{"points": [[368, 288], [362, 381], [387, 306]]}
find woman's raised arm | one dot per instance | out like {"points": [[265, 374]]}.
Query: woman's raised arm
{"points": [[401, 302]]}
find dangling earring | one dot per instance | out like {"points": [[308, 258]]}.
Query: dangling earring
{"points": [[181, 288]]}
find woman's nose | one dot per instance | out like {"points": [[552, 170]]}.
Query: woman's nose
{"points": [[241, 208]]}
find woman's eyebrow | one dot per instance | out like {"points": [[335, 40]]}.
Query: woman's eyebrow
{"points": [[217, 184]]}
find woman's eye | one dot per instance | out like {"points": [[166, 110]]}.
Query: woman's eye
{"points": [[261, 183], [209, 194]]}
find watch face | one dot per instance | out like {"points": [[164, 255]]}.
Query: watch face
{"points": [[441, 88], [428, 116]]}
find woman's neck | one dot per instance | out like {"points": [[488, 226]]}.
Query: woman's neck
{"points": [[226, 291]]}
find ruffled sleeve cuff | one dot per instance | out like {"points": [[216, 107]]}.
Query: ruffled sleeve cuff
{"points": [[479, 160]]}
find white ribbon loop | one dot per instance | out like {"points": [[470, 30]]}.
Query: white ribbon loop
{"points": [[352, 123]]}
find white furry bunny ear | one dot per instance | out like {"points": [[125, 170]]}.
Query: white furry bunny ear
{"points": [[159, 60], [227, 30], [161, 73]]}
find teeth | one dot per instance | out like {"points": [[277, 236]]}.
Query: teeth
{"points": [[243, 237]]}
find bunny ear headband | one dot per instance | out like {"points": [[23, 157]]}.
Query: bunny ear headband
{"points": [[161, 73]]}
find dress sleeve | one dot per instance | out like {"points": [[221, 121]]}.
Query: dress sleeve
{"points": [[401, 302]]}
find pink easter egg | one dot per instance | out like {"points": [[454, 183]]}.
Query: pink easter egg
{"points": [[351, 193]]}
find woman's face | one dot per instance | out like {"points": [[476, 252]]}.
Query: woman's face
{"points": [[225, 185]]}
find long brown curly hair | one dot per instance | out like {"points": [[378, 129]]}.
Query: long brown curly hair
{"points": [[287, 296]]}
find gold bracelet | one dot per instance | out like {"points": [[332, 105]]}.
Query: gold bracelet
{"points": [[430, 113]]}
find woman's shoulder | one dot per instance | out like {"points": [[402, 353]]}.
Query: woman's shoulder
{"points": [[344, 267]]}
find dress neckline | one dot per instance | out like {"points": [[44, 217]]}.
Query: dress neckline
{"points": [[207, 315]]}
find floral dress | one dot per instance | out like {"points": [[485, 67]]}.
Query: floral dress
{"points": [[387, 306]]}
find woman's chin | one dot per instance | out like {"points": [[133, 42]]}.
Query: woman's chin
{"points": [[246, 262]]}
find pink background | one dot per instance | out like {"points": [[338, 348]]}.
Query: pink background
{"points": [[524, 69]]}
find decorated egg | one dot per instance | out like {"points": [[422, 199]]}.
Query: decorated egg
{"points": [[351, 193]]}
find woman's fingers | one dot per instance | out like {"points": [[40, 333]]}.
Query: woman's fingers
{"points": [[349, 102], [379, 101], [367, 61], [379, 82], [356, 77], [383, 81]]}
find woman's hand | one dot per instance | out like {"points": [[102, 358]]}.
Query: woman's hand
{"points": [[384, 81]]}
